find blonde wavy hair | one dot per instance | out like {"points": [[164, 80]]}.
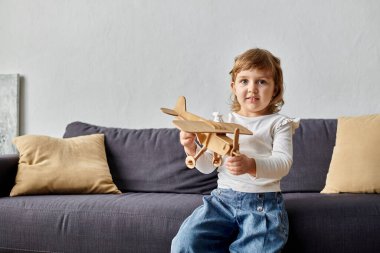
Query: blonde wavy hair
{"points": [[262, 59]]}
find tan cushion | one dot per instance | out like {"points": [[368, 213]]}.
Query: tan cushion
{"points": [[355, 164], [50, 165]]}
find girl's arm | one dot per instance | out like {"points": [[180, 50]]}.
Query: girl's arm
{"points": [[278, 164], [238, 165], [275, 166], [204, 162]]}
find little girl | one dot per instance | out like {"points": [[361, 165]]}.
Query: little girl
{"points": [[246, 213]]}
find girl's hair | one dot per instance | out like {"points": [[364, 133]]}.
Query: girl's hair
{"points": [[264, 60]]}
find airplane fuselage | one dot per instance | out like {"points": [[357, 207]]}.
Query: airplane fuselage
{"points": [[218, 143]]}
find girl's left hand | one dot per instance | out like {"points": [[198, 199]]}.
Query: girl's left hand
{"points": [[241, 164]]}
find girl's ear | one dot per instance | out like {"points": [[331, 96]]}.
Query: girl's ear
{"points": [[275, 91], [233, 87]]}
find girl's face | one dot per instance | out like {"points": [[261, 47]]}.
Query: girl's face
{"points": [[254, 90]]}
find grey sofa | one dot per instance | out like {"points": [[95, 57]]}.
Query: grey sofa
{"points": [[159, 192]]}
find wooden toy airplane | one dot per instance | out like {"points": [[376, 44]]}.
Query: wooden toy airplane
{"points": [[212, 135]]}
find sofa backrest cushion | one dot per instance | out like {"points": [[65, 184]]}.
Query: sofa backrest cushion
{"points": [[313, 144], [51, 165], [147, 160]]}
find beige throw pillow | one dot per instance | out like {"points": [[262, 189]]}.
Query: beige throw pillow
{"points": [[50, 165], [355, 164]]}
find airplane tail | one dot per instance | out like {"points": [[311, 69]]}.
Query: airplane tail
{"points": [[179, 108]]}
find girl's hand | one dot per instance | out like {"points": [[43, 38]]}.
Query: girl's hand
{"points": [[188, 142], [241, 164]]}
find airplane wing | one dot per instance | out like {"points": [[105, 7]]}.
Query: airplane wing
{"points": [[192, 126], [230, 127], [169, 111]]}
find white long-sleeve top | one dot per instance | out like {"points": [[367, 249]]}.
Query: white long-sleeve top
{"points": [[271, 147]]}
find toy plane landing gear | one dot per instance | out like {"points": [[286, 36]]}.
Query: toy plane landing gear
{"points": [[212, 135]]}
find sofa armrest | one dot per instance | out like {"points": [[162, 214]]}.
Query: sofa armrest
{"points": [[8, 170]]}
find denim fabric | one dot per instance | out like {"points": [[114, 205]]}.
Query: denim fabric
{"points": [[230, 221]]}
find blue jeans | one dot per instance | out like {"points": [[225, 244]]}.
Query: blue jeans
{"points": [[230, 221]]}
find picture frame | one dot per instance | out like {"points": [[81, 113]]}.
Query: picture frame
{"points": [[9, 112]]}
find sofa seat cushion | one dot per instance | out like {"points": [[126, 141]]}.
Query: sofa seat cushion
{"points": [[147, 160], [132, 222], [325, 223]]}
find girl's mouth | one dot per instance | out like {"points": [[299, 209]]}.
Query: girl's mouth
{"points": [[252, 99]]}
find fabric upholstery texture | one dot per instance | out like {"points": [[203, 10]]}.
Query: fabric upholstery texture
{"points": [[333, 222], [54, 165], [147, 160], [125, 223], [355, 162], [313, 144], [146, 222]]}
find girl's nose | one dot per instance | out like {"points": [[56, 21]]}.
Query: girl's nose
{"points": [[253, 88]]}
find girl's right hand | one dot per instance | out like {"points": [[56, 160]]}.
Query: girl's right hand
{"points": [[188, 142]]}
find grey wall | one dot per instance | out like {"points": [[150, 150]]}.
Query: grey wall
{"points": [[115, 63]]}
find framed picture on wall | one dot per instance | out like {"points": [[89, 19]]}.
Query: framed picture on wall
{"points": [[9, 112]]}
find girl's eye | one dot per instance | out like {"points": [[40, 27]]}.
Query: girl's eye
{"points": [[244, 81], [262, 82]]}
